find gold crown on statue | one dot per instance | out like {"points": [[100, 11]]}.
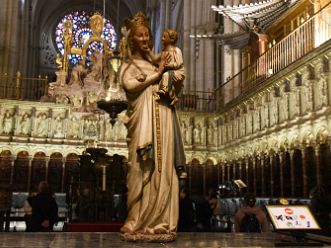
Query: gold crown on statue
{"points": [[139, 19]]}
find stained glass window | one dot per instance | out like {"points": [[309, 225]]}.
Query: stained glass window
{"points": [[81, 33]]}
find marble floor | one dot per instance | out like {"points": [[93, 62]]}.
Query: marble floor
{"points": [[97, 240]]}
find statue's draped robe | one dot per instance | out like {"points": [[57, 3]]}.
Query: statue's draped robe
{"points": [[152, 181]]}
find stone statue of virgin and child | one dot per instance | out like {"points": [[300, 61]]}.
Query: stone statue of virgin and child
{"points": [[156, 151]]}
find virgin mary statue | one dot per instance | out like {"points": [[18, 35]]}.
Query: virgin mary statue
{"points": [[154, 142]]}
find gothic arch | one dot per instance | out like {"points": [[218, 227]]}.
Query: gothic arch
{"points": [[211, 161], [322, 136], [308, 139]]}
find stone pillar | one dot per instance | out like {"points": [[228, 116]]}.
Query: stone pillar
{"points": [[281, 171], [292, 165], [228, 168], [15, 21], [240, 172], [187, 49], [246, 167], [64, 160], [254, 175], [317, 150], [328, 80], [223, 166], [304, 172], [12, 163], [46, 168], [262, 164], [29, 173], [272, 181]]}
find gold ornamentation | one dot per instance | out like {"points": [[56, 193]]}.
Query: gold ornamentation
{"points": [[96, 24], [138, 20], [139, 237]]}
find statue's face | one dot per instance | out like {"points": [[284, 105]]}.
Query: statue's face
{"points": [[166, 39], [141, 39]]}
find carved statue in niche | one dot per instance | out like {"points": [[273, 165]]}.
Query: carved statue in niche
{"points": [[283, 108], [41, 125], [264, 116], [210, 135], [90, 128], [242, 127], [73, 129], [256, 121], [306, 97], [96, 68], [225, 137], [220, 135], [77, 74], [77, 101], [197, 134], [203, 135], [294, 104], [7, 122], [215, 136], [24, 124], [91, 98], [320, 91], [235, 128], [273, 112], [249, 124], [58, 127], [229, 131]]}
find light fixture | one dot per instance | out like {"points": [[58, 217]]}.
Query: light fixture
{"points": [[115, 101]]}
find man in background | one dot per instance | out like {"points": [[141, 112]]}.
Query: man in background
{"points": [[44, 209], [250, 218]]}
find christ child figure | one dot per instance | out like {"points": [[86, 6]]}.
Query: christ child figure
{"points": [[172, 80]]}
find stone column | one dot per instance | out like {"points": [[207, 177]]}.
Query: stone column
{"points": [[272, 182], [328, 79], [281, 171], [262, 164], [304, 172], [46, 168], [229, 170], [12, 163], [64, 160], [246, 167], [292, 165], [29, 173], [317, 150], [240, 172], [254, 175], [223, 171], [187, 49], [14, 19]]}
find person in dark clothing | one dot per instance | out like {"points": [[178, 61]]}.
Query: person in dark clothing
{"points": [[204, 214], [249, 211], [186, 211], [44, 210], [28, 212]]}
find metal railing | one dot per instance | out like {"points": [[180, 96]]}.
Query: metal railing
{"points": [[200, 101], [22, 88], [310, 35]]}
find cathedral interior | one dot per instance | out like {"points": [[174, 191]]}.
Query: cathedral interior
{"points": [[255, 107]]}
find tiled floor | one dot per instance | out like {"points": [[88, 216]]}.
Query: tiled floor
{"points": [[112, 240]]}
